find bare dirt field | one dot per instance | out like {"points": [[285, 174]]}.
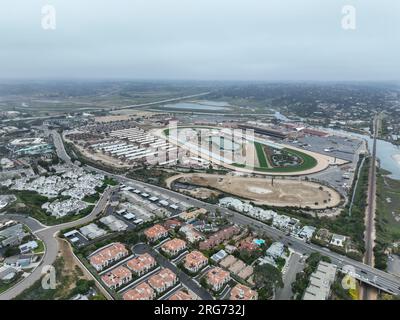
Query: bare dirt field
{"points": [[71, 270], [261, 191], [201, 193]]}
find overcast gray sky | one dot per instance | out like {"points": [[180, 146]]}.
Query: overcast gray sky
{"points": [[201, 39]]}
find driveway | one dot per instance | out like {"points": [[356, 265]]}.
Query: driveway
{"points": [[294, 267]]}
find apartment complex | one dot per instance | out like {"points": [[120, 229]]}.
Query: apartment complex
{"points": [[163, 280], [180, 295], [174, 246], [195, 261], [141, 292], [242, 292], [320, 282], [141, 264], [117, 277], [156, 233], [217, 278], [218, 237], [106, 256]]}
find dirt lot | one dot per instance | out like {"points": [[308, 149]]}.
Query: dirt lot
{"points": [[261, 191], [71, 268], [201, 193]]}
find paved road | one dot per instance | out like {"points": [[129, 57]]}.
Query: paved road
{"points": [[377, 278], [58, 143], [294, 267], [33, 224], [47, 234]]}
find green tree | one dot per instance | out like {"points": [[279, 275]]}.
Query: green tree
{"points": [[267, 278]]}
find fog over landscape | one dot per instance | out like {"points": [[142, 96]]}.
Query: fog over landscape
{"points": [[210, 40]]}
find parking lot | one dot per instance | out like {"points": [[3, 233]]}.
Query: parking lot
{"points": [[334, 177], [145, 203], [341, 177], [76, 238], [335, 146]]}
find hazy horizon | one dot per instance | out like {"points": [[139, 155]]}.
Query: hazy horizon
{"points": [[193, 40]]}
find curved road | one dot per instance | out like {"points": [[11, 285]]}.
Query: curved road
{"points": [[47, 235]]}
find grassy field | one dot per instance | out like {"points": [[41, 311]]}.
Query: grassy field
{"points": [[92, 198], [307, 163], [388, 208], [40, 247], [262, 159], [387, 217]]}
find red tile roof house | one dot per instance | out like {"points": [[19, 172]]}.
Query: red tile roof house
{"points": [[241, 292], [248, 245], [191, 234], [173, 247], [141, 264], [217, 278], [117, 277], [163, 280], [195, 261], [181, 295], [172, 224], [106, 256], [141, 292], [156, 233], [219, 237]]}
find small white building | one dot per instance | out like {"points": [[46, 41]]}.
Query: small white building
{"points": [[338, 240], [28, 247]]}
